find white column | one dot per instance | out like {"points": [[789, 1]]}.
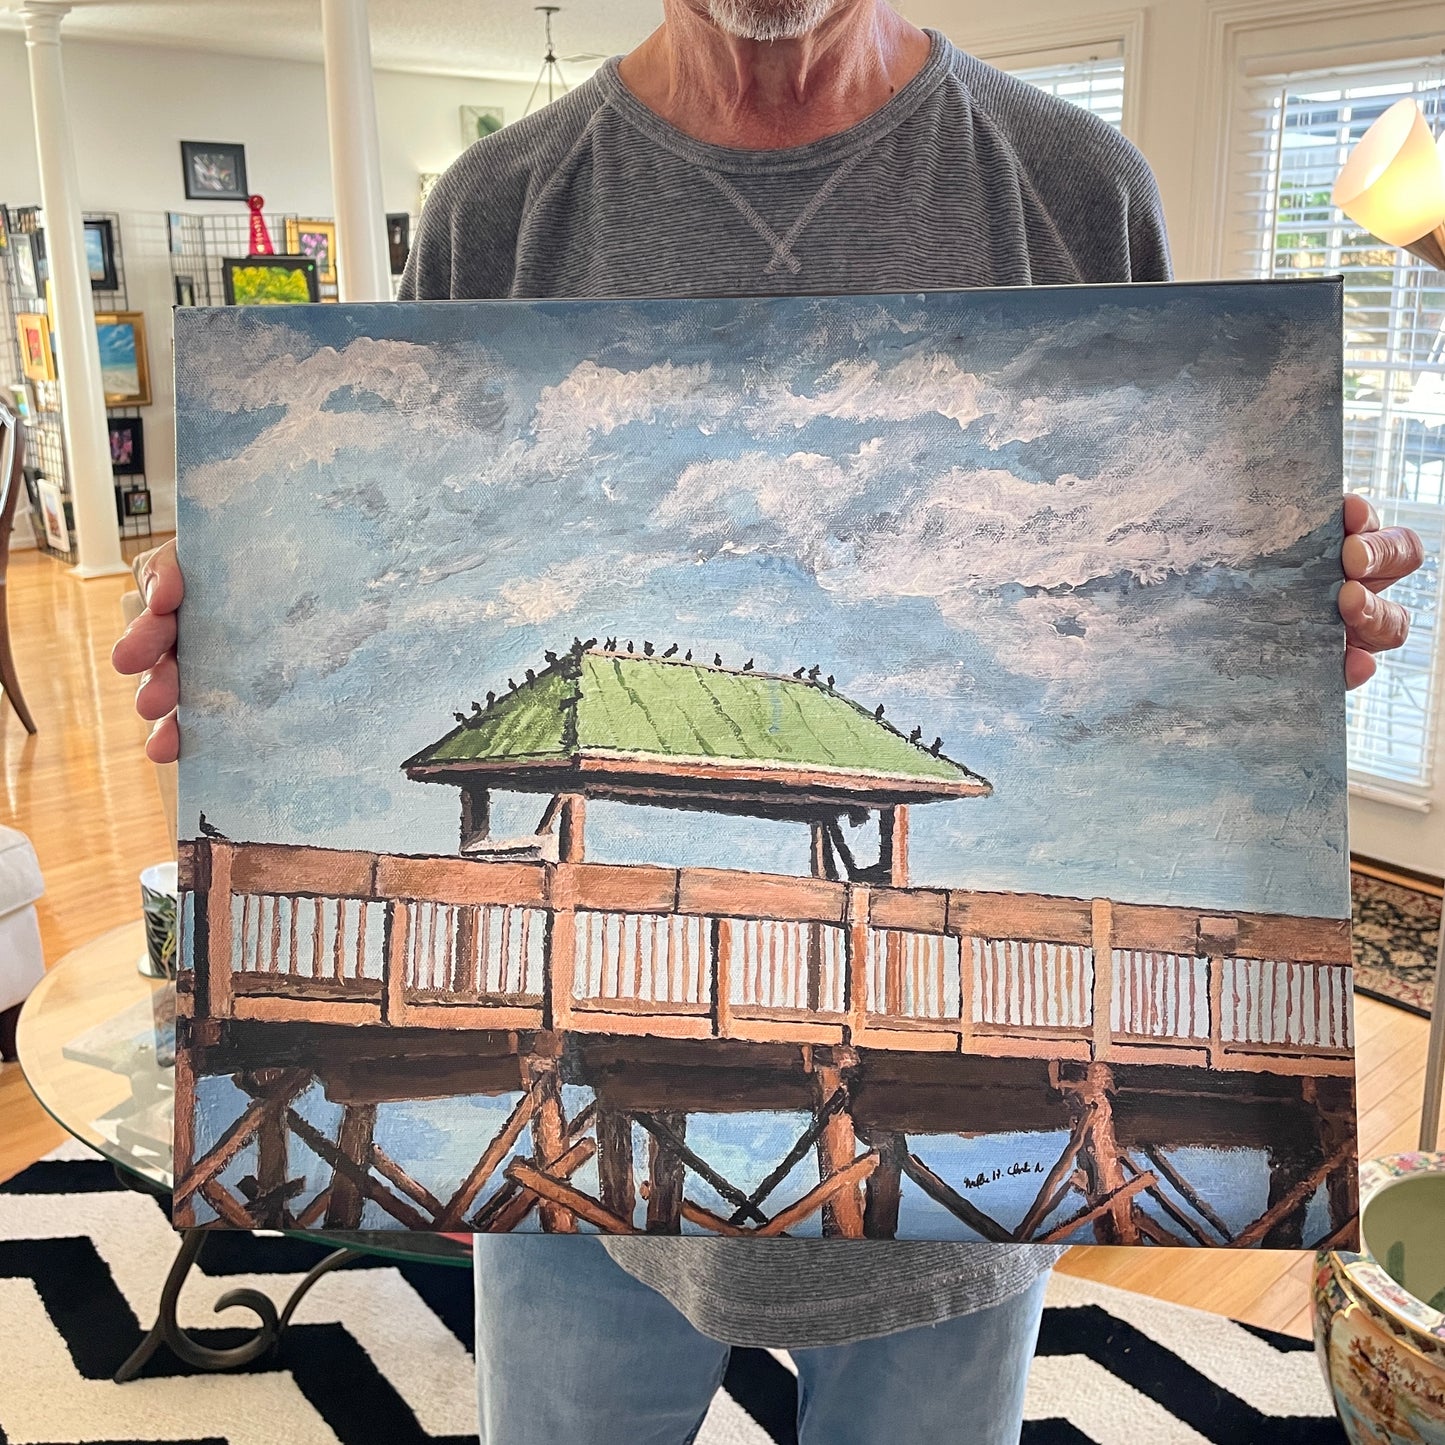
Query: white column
{"points": [[1435, 1058], [363, 258], [87, 443]]}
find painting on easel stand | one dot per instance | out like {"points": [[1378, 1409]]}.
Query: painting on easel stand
{"points": [[867, 767]]}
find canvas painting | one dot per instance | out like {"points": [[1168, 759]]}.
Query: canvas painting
{"points": [[479, 121], [127, 445], [52, 510], [269, 280], [124, 364], [865, 767], [99, 237], [37, 360], [316, 240], [214, 170]]}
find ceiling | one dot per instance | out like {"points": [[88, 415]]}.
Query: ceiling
{"points": [[501, 39]]}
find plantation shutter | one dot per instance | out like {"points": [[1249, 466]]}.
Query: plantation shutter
{"points": [[1091, 78], [1298, 128]]}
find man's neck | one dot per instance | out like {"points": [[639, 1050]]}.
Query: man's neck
{"points": [[766, 95]]}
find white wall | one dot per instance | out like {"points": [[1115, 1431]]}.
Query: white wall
{"points": [[132, 106]]}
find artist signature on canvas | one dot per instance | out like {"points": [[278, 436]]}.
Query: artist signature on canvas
{"points": [[990, 1176]]}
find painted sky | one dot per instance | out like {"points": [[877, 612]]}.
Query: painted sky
{"points": [[1088, 535]]}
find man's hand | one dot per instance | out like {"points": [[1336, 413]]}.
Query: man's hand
{"points": [[1373, 558], [148, 646]]}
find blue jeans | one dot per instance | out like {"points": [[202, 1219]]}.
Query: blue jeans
{"points": [[571, 1350]]}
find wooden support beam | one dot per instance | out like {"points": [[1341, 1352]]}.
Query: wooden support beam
{"points": [[549, 1132], [1193, 1230], [1187, 1192], [705, 1218], [451, 1217], [1091, 1095], [323, 1148], [820, 1195], [1287, 1203], [1110, 1204], [667, 1158], [511, 1204], [1156, 1233], [893, 844], [883, 1191], [837, 1146], [216, 963], [398, 1178], [476, 815], [353, 1139], [1101, 928], [855, 1002], [614, 1162], [722, 977], [1047, 1198], [313, 1211], [235, 1138], [944, 1194], [750, 1204], [560, 954], [1287, 1162], [396, 927], [225, 1206], [571, 826], [567, 1200]]}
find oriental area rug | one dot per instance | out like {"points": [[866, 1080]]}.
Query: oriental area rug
{"points": [[1396, 938], [382, 1351]]}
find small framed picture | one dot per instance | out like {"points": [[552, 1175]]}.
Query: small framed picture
{"points": [[27, 279], [127, 445], [479, 121], [398, 239], [124, 364], [52, 509], [214, 170], [36, 358], [269, 280], [100, 254], [316, 240], [137, 502], [185, 290]]}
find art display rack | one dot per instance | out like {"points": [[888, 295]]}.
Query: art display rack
{"points": [[200, 245], [45, 425]]}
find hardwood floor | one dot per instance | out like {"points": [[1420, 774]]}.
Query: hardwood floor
{"points": [[85, 794]]}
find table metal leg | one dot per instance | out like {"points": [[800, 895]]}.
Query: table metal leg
{"points": [[167, 1330], [1435, 1055]]}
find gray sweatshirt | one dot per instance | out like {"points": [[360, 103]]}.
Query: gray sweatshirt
{"points": [[965, 178]]}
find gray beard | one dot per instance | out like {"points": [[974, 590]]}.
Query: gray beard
{"points": [[768, 19]]}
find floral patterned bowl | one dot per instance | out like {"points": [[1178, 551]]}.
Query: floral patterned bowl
{"points": [[1380, 1327]]}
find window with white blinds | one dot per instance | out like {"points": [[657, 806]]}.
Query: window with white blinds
{"points": [[1093, 81], [1301, 127]]}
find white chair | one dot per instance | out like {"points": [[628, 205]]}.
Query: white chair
{"points": [[22, 964]]}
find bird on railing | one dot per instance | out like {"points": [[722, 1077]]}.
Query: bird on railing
{"points": [[210, 830]]}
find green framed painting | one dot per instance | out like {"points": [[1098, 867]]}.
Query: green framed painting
{"points": [[269, 280]]}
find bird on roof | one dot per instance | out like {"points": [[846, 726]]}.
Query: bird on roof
{"points": [[549, 655], [813, 672], [476, 706], [511, 684], [671, 651], [748, 665], [717, 659], [799, 671], [491, 698], [647, 649], [915, 735], [610, 645], [687, 656], [531, 676], [590, 643], [830, 679], [460, 717], [878, 712], [629, 644], [937, 747]]}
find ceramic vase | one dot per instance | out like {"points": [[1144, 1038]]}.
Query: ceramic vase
{"points": [[1379, 1316]]}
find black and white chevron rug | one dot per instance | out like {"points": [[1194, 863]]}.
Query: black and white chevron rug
{"points": [[380, 1352]]}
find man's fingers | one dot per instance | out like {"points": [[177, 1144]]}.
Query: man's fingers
{"points": [[1372, 623], [161, 583], [164, 743], [1360, 516], [1359, 667], [142, 645], [1379, 558], [159, 691]]}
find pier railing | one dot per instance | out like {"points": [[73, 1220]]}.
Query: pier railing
{"points": [[291, 933]]}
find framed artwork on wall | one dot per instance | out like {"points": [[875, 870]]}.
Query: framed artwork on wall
{"points": [[214, 170], [124, 365], [127, 445], [479, 121], [52, 509], [398, 239], [26, 277], [317, 241], [100, 254], [36, 358], [137, 502], [269, 280], [185, 290]]}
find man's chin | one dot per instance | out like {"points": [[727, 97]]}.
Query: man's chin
{"points": [[769, 19]]}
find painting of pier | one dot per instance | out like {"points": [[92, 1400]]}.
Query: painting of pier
{"points": [[863, 768]]}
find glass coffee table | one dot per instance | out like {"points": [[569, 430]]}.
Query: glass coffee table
{"points": [[86, 1044]]}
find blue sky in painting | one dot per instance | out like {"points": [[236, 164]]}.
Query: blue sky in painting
{"points": [[1089, 536]]}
